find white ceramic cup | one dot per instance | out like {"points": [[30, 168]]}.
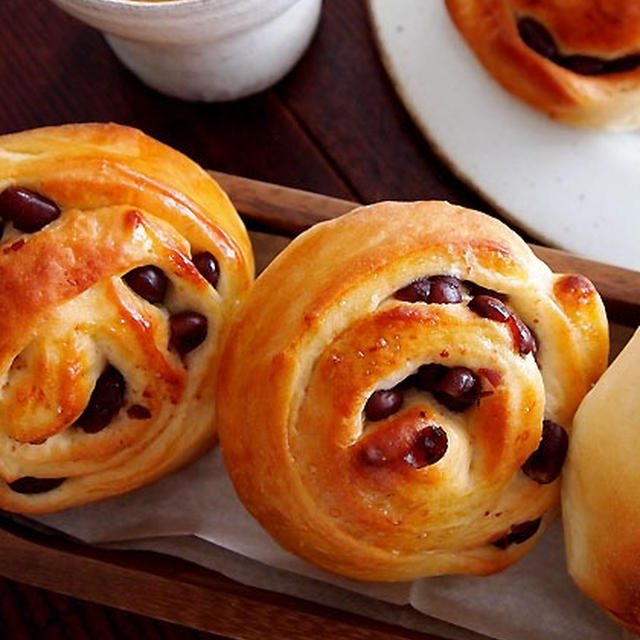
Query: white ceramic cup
{"points": [[209, 50]]}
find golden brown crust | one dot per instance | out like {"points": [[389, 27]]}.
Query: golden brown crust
{"points": [[322, 331], [600, 491], [126, 201], [607, 30]]}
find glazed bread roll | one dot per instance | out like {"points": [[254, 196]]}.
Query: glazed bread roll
{"points": [[601, 491], [396, 393], [121, 265], [576, 60]]}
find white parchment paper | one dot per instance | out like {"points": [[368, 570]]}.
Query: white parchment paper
{"points": [[194, 514]]}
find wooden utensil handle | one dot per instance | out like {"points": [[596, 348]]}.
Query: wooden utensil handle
{"points": [[290, 211]]}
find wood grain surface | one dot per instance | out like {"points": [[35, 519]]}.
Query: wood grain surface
{"points": [[333, 126]]}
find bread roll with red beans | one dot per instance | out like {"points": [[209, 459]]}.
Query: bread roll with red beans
{"points": [[576, 60], [601, 491], [397, 392], [121, 266]]}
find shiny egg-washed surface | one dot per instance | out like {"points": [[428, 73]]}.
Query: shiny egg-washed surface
{"points": [[438, 475], [110, 334]]}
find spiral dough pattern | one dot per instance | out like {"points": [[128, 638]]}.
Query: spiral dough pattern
{"points": [[121, 265], [397, 393]]}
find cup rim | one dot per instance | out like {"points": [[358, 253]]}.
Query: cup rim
{"points": [[146, 5], [231, 7], [175, 21]]}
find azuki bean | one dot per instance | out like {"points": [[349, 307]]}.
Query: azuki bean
{"points": [[490, 307], [188, 330], [31, 485], [149, 282], [383, 403], [458, 389], [105, 401], [525, 341], [537, 37], [28, 210], [429, 446], [625, 63], [416, 291], [445, 290], [545, 463], [207, 265], [518, 533], [585, 65], [494, 309], [428, 376]]}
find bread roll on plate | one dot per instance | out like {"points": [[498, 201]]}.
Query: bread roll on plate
{"points": [[121, 265], [576, 60], [601, 491], [396, 393]]}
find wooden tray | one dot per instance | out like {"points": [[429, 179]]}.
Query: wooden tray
{"points": [[175, 590]]}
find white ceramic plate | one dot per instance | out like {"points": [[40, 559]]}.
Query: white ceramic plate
{"points": [[570, 188]]}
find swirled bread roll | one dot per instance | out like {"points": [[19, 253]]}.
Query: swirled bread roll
{"points": [[395, 396], [121, 265], [601, 491], [576, 60]]}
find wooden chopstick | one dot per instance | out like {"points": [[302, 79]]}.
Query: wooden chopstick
{"points": [[290, 211]]}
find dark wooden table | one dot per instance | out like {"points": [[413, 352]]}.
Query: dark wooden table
{"points": [[335, 126]]}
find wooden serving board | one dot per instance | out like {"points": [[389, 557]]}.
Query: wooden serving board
{"points": [[175, 590]]}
